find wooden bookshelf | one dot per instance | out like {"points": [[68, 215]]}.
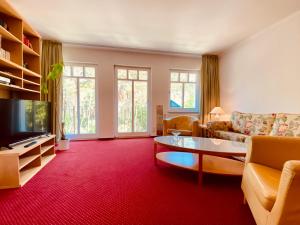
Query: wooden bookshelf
{"points": [[20, 164], [24, 65]]}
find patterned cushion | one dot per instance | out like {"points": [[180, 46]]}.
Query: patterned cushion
{"points": [[252, 124], [286, 125], [259, 124], [238, 121], [219, 125], [232, 136]]}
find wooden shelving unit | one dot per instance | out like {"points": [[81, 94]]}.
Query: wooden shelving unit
{"points": [[20, 164], [27, 80]]}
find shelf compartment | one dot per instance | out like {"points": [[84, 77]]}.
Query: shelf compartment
{"points": [[15, 76], [30, 82], [9, 87], [33, 63], [47, 159], [32, 78], [30, 90], [15, 50], [29, 72], [26, 160], [35, 42], [26, 175], [11, 75], [8, 36], [9, 64], [46, 148], [27, 50], [29, 86], [14, 24], [17, 88], [27, 172]]}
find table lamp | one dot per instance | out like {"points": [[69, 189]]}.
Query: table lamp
{"points": [[217, 111]]}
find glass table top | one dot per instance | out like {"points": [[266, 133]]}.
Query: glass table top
{"points": [[203, 144]]}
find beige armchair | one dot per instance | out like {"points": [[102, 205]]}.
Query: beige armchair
{"points": [[187, 125], [271, 180]]}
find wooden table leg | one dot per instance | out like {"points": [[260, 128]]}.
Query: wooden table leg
{"points": [[200, 167], [154, 153]]}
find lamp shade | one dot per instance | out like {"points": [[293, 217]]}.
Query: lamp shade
{"points": [[217, 110]]}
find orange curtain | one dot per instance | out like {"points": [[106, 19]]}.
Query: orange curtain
{"points": [[210, 88], [52, 54]]}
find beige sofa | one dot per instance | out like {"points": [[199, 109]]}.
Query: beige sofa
{"points": [[244, 125]]}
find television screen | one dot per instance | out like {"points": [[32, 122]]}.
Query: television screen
{"points": [[23, 119]]}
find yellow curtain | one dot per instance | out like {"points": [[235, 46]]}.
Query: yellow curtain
{"points": [[210, 88], [52, 54]]}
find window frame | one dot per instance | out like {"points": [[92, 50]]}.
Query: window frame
{"points": [[197, 97], [84, 136]]}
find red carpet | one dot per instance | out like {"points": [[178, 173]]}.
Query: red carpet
{"points": [[116, 182]]}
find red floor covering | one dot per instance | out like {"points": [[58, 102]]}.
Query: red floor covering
{"points": [[116, 182]]}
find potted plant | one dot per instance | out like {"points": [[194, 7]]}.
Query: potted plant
{"points": [[54, 74]]}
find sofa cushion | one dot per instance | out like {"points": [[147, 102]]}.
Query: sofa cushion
{"points": [[182, 132], [258, 124], [219, 125], [232, 136], [252, 124], [286, 125], [238, 121], [264, 182]]}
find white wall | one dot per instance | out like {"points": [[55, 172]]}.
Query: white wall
{"points": [[106, 59], [262, 74]]}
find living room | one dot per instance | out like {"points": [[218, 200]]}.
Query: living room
{"points": [[125, 112]]}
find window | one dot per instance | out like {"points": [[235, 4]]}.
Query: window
{"points": [[184, 91], [79, 100]]}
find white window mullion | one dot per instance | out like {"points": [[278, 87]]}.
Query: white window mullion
{"points": [[183, 86], [78, 107], [132, 106]]}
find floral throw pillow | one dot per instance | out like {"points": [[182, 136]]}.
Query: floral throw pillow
{"points": [[286, 125], [259, 124], [238, 120], [252, 124]]}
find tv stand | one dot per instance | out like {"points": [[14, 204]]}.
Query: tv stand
{"points": [[20, 164]]}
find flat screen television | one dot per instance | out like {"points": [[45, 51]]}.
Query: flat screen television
{"points": [[23, 120]]}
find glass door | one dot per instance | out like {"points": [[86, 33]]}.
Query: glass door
{"points": [[132, 86], [79, 106]]}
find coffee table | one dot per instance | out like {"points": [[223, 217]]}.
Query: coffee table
{"points": [[204, 155]]}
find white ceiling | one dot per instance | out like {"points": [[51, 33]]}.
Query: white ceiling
{"points": [[182, 26]]}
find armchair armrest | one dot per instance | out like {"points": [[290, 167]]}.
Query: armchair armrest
{"points": [[286, 208], [195, 129], [219, 125], [273, 151], [167, 124]]}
